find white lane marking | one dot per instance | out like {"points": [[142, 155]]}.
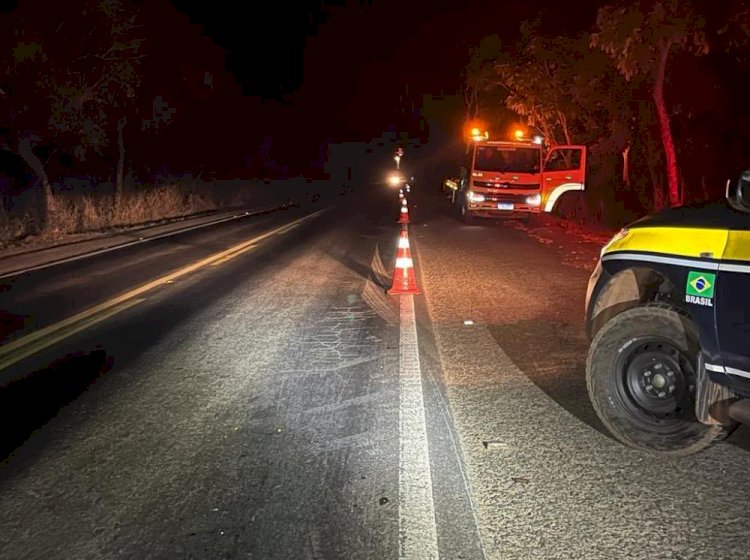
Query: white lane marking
{"points": [[417, 526]]}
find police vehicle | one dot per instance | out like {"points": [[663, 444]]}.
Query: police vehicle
{"points": [[668, 314]]}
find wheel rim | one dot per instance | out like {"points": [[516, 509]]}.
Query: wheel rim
{"points": [[656, 383]]}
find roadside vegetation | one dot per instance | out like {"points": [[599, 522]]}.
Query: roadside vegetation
{"points": [[88, 126], [83, 213], [652, 88]]}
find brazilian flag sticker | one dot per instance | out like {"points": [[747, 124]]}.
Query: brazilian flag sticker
{"points": [[700, 284]]}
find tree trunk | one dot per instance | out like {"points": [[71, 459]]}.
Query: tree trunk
{"points": [[549, 135], [119, 179], [626, 165], [564, 125], [471, 94], [666, 132], [48, 214], [657, 190]]}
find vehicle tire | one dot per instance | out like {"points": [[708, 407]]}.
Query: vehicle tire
{"points": [[454, 207], [641, 378], [464, 213], [569, 206]]}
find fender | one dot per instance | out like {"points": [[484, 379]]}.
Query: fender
{"points": [[558, 191]]}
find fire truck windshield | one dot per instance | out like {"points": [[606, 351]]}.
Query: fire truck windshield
{"points": [[507, 159]]}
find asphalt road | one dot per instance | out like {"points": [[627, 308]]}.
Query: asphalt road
{"points": [[275, 403]]}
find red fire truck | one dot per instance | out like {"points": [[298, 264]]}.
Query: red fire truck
{"points": [[516, 179]]}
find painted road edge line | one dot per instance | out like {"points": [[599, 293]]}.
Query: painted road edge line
{"points": [[416, 519], [16, 347]]}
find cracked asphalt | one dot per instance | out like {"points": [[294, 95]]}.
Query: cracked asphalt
{"points": [[251, 409], [552, 483]]}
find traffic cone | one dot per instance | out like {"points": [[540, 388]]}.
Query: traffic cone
{"points": [[404, 215], [404, 279], [400, 194]]}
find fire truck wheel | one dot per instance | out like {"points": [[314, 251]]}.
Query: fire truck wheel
{"points": [[454, 208], [452, 197], [641, 378], [464, 214]]}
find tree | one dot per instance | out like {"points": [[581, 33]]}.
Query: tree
{"points": [[562, 88], [602, 103], [640, 38], [22, 52], [119, 76], [478, 76], [107, 76], [734, 27], [537, 80], [59, 91]]}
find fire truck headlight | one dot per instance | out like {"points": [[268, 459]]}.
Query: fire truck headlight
{"points": [[534, 200], [474, 197]]}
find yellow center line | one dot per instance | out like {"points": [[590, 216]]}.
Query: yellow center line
{"points": [[25, 343], [8, 359], [232, 255], [242, 250], [288, 227]]}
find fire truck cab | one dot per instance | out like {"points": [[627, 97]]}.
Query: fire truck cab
{"points": [[516, 179]]}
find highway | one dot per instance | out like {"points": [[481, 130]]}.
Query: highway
{"points": [[249, 390]]}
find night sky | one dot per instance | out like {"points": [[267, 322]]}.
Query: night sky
{"points": [[318, 72], [351, 71]]}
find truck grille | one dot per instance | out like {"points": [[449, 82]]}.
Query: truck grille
{"points": [[518, 186]]}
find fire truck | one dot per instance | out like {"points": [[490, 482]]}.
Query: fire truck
{"points": [[515, 178]]}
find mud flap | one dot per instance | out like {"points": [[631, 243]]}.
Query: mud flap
{"points": [[712, 401]]}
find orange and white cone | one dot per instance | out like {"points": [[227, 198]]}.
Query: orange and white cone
{"points": [[404, 214], [404, 279]]}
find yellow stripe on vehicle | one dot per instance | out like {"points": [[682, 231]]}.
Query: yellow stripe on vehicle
{"points": [[738, 246], [677, 241]]}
